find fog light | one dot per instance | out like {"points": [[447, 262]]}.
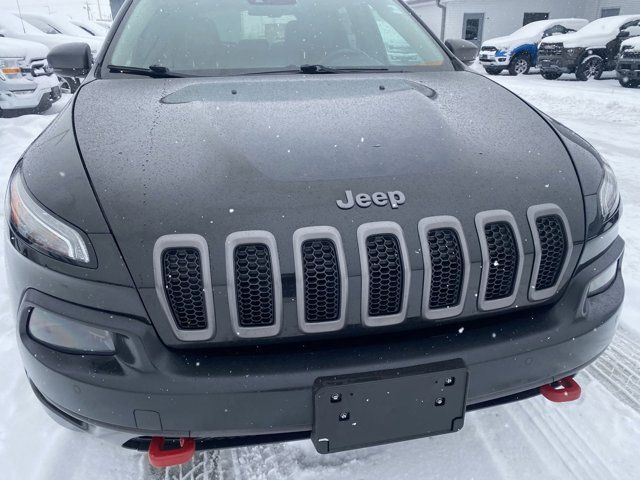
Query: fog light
{"points": [[603, 280], [65, 334]]}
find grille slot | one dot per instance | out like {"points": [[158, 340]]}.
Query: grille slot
{"points": [[553, 250], [321, 281], [185, 288], [385, 275], [183, 285], [553, 247], [254, 285], [447, 268], [503, 260]]}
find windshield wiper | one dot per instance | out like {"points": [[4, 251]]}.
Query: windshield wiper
{"points": [[154, 71], [318, 68]]}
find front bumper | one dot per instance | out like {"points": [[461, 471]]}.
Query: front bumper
{"points": [[493, 59], [558, 64], [629, 68], [149, 389], [30, 94]]}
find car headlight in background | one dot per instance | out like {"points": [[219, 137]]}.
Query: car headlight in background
{"points": [[503, 50], [10, 68], [40, 229]]}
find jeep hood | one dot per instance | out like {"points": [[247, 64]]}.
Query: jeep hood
{"points": [[216, 156]]}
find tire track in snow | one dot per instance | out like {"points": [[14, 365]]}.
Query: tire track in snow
{"points": [[618, 369]]}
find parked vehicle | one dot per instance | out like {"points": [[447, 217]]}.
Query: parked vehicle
{"points": [[518, 52], [628, 67], [270, 229], [55, 25], [91, 27], [589, 52], [27, 83], [12, 26]]}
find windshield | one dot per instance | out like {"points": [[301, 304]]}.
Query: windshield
{"points": [[217, 37], [13, 25]]}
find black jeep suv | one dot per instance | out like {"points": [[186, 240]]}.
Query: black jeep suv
{"points": [[590, 51], [260, 220]]}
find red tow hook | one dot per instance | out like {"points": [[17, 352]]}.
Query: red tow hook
{"points": [[565, 390], [158, 457]]}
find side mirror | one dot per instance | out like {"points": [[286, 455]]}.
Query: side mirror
{"points": [[464, 50], [71, 59]]}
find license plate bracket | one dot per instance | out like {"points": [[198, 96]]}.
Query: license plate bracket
{"points": [[366, 409]]}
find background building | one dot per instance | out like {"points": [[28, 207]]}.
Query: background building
{"points": [[477, 20]]}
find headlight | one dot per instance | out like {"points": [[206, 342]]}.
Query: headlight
{"points": [[608, 194], [504, 50], [9, 68], [40, 229]]}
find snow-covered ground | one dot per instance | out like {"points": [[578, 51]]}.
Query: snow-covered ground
{"points": [[594, 438]]}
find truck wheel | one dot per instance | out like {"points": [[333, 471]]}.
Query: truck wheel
{"points": [[68, 84], [625, 82], [591, 67], [493, 70], [520, 65], [547, 75]]}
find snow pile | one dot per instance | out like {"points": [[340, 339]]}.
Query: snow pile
{"points": [[597, 34], [631, 45], [532, 33]]}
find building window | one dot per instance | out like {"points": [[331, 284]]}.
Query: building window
{"points": [[534, 17], [609, 12]]}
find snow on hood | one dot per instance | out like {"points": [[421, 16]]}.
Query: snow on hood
{"points": [[597, 34], [634, 43], [532, 32], [10, 47]]}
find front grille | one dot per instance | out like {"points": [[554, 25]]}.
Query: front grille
{"points": [[629, 54], [552, 49], [553, 246], [184, 287], [385, 275], [447, 269], [321, 279], [488, 49], [503, 260], [254, 285]]}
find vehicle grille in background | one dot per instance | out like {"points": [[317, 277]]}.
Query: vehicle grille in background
{"points": [[488, 49], [503, 260], [447, 269], [553, 245], [385, 275], [628, 54], [321, 279], [552, 49], [182, 273], [254, 285]]}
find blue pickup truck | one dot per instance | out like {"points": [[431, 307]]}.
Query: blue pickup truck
{"points": [[518, 52]]}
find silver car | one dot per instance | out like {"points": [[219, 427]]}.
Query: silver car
{"points": [[26, 80]]}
